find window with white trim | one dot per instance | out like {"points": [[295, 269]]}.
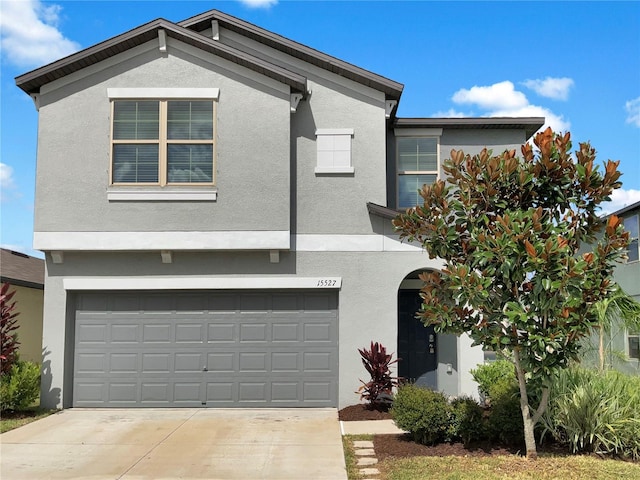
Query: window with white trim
{"points": [[334, 150], [631, 226], [162, 142], [633, 345], [417, 164]]}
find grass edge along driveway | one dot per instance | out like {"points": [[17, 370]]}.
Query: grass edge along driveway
{"points": [[503, 467]]}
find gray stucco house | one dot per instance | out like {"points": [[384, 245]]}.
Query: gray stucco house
{"points": [[214, 203]]}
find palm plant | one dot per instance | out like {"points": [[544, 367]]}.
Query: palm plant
{"points": [[618, 309]]}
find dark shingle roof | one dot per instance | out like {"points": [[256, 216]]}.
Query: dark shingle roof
{"points": [[392, 89], [20, 269], [529, 124], [32, 81]]}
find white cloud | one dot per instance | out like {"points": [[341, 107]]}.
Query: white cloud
{"points": [[555, 88], [500, 95], [633, 111], [620, 198], [503, 100], [30, 35], [6, 176], [451, 113], [6, 181], [259, 3]]}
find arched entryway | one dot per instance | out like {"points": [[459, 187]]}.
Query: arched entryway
{"points": [[417, 344]]}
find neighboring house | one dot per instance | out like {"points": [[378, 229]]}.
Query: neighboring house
{"points": [[627, 276], [214, 202], [26, 276]]}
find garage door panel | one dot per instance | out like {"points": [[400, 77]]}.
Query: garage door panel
{"points": [[123, 392], [189, 333], [92, 333], [222, 362], [221, 332], [156, 392], [125, 333], [318, 391], [189, 362], [156, 332], [124, 363], [221, 393], [285, 332], [241, 349]]}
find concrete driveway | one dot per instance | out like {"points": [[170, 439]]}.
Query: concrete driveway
{"points": [[190, 444]]}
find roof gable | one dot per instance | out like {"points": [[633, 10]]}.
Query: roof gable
{"points": [[201, 22], [32, 81]]}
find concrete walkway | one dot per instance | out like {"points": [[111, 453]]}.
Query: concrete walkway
{"points": [[163, 444], [369, 427], [365, 453]]}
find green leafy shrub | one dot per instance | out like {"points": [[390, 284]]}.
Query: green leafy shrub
{"points": [[20, 387], [467, 421], [505, 417], [595, 412], [489, 374], [425, 414]]}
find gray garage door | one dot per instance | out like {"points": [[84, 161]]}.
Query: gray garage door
{"points": [[214, 349]]}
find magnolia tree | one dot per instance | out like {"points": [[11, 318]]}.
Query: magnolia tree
{"points": [[523, 264]]}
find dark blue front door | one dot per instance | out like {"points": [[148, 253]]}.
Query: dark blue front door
{"points": [[417, 346]]}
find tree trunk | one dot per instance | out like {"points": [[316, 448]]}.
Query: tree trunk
{"points": [[529, 438], [528, 419], [601, 348]]}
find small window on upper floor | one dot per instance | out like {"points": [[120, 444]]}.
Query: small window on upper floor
{"points": [[633, 345], [162, 142], [417, 164], [631, 226], [334, 150]]}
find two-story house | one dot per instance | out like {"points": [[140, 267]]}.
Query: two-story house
{"points": [[214, 203]]}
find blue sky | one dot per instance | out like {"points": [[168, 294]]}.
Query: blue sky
{"points": [[576, 63]]}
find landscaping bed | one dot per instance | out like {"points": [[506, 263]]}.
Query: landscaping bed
{"points": [[402, 446]]}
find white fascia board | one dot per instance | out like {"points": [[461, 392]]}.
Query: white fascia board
{"points": [[149, 241], [159, 93], [200, 283]]}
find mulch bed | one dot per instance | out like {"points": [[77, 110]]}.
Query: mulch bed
{"points": [[399, 446], [363, 412]]}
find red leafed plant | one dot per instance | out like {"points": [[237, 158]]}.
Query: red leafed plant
{"points": [[377, 391], [8, 338]]}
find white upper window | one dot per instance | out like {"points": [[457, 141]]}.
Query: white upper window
{"points": [[633, 345], [162, 137], [334, 150], [631, 226], [417, 164]]}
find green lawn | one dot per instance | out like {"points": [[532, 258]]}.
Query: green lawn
{"points": [[11, 420], [511, 467]]}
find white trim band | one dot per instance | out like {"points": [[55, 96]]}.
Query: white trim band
{"points": [[149, 241], [162, 196], [159, 93], [229, 240], [353, 243], [200, 283]]}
